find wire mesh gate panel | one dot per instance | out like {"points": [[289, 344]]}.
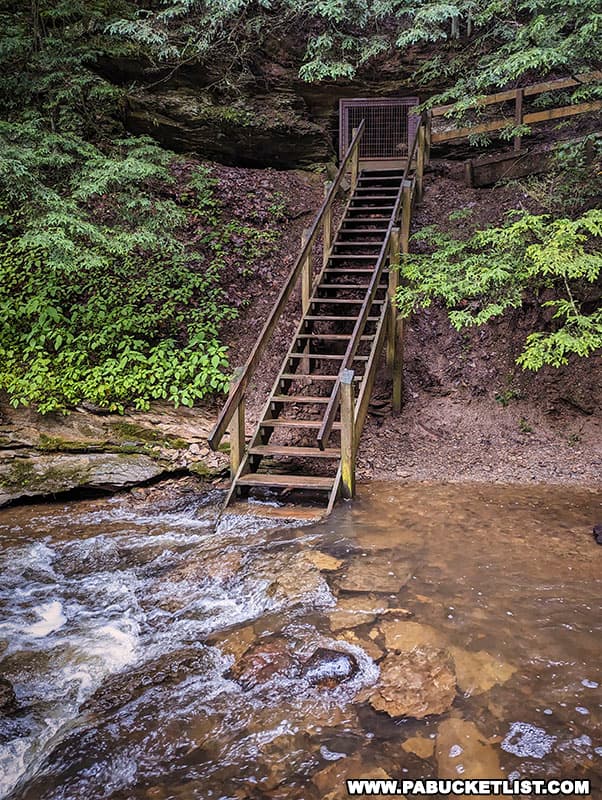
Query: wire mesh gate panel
{"points": [[390, 127]]}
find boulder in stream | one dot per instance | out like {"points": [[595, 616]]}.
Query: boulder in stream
{"points": [[415, 684], [259, 663], [327, 668]]}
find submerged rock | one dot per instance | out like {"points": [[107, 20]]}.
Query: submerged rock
{"points": [[259, 663], [598, 533], [367, 645], [166, 670], [327, 668], [415, 684], [464, 752], [330, 781], [8, 698], [323, 561], [419, 746], [375, 573], [293, 578], [403, 637], [350, 612], [477, 672]]}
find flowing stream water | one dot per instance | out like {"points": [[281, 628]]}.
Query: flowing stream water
{"points": [[122, 623]]}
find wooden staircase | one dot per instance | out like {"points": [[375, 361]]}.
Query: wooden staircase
{"points": [[302, 451]]}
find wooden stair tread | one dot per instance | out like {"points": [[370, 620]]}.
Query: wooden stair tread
{"points": [[327, 318], [363, 230], [328, 337], [324, 356], [296, 376], [285, 481], [372, 220], [303, 399], [346, 286], [294, 451], [296, 423], [344, 270], [362, 197], [342, 301]]}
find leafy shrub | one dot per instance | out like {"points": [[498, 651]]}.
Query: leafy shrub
{"points": [[494, 269], [99, 298]]}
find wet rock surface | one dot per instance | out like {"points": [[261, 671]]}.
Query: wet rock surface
{"points": [[403, 636], [167, 670], [477, 672], [415, 684], [350, 612], [219, 674], [375, 573], [327, 668], [262, 661], [463, 751], [8, 698]]}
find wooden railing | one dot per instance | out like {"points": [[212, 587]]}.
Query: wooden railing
{"points": [[520, 118], [232, 414], [353, 411]]}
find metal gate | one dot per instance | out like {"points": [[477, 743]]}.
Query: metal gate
{"points": [[390, 127]]}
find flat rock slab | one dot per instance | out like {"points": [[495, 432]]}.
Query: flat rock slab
{"points": [[415, 684], [463, 751], [477, 672], [402, 636], [350, 612], [375, 573], [420, 746], [293, 578], [41, 455], [50, 474], [323, 561]]}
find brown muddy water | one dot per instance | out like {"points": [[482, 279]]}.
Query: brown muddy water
{"points": [[422, 631]]}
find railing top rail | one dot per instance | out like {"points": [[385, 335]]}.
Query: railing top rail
{"points": [[528, 91], [252, 362], [331, 408]]}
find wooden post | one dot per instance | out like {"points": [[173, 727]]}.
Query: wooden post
{"points": [[469, 173], [518, 115], [355, 163], [237, 429], [347, 434], [393, 283], [428, 135], [406, 219], [306, 276], [327, 236], [398, 365], [420, 162]]}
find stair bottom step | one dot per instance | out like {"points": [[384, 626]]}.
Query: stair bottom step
{"points": [[308, 482]]}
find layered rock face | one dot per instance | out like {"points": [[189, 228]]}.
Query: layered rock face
{"points": [[271, 118]]}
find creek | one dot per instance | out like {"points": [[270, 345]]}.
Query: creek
{"points": [[155, 655]]}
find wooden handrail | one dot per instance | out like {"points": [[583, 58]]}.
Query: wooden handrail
{"points": [[333, 402], [528, 91], [237, 392], [519, 117]]}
